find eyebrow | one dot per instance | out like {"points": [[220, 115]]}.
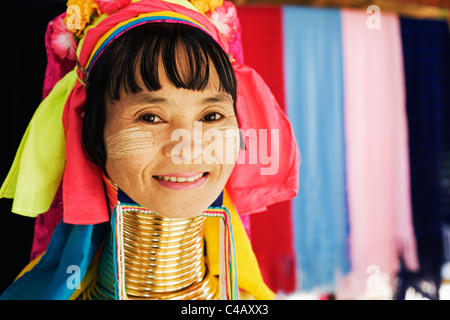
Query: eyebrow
{"points": [[144, 98], [219, 97]]}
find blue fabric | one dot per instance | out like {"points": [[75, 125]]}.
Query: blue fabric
{"points": [[314, 100], [70, 245], [426, 51]]}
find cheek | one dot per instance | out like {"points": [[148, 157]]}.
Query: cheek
{"points": [[129, 142], [129, 151]]}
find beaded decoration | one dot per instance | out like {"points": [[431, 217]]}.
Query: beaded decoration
{"points": [[227, 260]]}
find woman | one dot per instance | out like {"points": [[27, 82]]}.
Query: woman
{"points": [[152, 126]]}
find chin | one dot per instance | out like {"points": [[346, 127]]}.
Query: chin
{"points": [[178, 208], [177, 204]]}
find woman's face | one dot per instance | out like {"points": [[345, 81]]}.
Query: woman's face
{"points": [[173, 150]]}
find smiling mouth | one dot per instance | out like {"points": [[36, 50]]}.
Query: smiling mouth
{"points": [[178, 179]]}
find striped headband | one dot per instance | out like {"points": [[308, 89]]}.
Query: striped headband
{"points": [[119, 29]]}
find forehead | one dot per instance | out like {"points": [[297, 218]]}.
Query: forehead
{"points": [[184, 70], [171, 96]]}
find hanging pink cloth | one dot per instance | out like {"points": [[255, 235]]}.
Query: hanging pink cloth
{"points": [[380, 215]]}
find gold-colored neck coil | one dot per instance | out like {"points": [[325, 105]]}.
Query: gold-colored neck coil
{"points": [[164, 259]]}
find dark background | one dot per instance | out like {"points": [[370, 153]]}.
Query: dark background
{"points": [[23, 63]]}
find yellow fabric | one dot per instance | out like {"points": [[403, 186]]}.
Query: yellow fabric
{"points": [[206, 5], [38, 166], [248, 272], [30, 265]]}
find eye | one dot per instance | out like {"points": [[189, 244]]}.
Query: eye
{"points": [[213, 116], [150, 118]]}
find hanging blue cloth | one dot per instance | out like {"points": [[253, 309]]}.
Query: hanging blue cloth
{"points": [[314, 99], [426, 51]]}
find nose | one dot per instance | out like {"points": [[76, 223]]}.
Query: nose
{"points": [[185, 144]]}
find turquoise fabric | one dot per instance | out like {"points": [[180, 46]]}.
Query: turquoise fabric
{"points": [[71, 249], [314, 100]]}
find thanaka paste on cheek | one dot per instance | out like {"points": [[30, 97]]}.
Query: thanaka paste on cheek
{"points": [[129, 142]]}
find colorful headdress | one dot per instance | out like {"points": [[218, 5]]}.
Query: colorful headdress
{"points": [[51, 155]]}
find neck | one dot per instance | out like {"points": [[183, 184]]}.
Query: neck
{"points": [[164, 259]]}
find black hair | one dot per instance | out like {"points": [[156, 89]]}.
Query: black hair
{"points": [[143, 48]]}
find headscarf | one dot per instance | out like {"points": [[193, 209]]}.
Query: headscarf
{"points": [[51, 153]]}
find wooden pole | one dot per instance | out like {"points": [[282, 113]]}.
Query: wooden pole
{"points": [[405, 8]]}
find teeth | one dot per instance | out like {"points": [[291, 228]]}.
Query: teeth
{"points": [[180, 179]]}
